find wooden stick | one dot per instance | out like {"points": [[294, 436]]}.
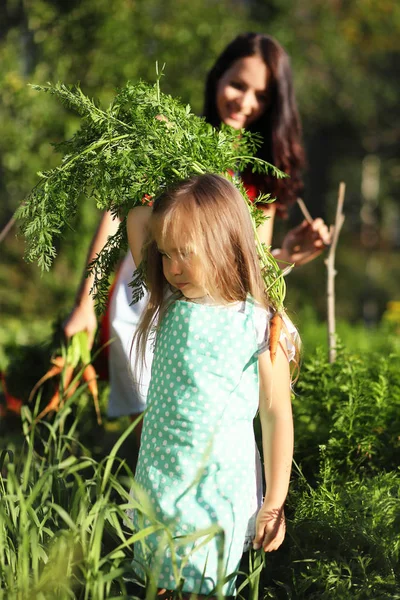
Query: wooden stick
{"points": [[305, 212], [7, 228], [330, 265]]}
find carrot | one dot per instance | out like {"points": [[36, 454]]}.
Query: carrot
{"points": [[13, 404], [58, 365], [73, 386], [52, 405], [57, 401], [90, 377], [69, 385], [275, 327], [68, 373]]}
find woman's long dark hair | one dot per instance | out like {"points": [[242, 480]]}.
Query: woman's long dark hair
{"points": [[280, 124]]}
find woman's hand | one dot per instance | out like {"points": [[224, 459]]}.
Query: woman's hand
{"points": [[82, 318], [270, 528], [304, 242]]}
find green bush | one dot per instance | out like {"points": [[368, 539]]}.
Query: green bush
{"points": [[342, 540], [344, 504], [351, 407]]}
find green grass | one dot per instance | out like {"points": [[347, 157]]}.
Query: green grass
{"points": [[65, 490], [64, 530]]}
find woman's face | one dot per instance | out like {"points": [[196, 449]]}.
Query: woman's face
{"points": [[242, 92]]}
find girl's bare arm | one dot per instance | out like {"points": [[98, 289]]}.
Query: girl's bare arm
{"points": [[265, 230], [277, 439], [136, 227]]}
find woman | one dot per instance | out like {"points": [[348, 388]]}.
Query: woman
{"points": [[250, 86]]}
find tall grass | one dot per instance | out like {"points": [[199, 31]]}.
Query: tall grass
{"points": [[60, 515], [64, 529]]}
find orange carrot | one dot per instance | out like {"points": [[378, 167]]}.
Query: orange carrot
{"points": [[275, 327], [58, 365], [67, 377], [90, 377], [57, 401], [72, 388], [52, 405], [69, 385], [13, 404]]}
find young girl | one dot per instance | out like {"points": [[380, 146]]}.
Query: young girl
{"points": [[211, 372], [250, 86]]}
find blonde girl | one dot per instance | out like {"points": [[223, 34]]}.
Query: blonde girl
{"points": [[211, 372]]}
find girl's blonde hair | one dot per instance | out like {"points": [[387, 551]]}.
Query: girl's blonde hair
{"points": [[206, 215]]}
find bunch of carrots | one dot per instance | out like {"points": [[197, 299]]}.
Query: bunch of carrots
{"points": [[71, 367]]}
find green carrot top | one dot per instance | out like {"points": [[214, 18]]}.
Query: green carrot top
{"points": [[125, 155]]}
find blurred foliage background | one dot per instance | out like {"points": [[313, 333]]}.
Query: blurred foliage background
{"points": [[345, 58], [345, 55]]}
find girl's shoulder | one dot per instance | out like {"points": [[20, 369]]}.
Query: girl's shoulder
{"points": [[289, 336]]}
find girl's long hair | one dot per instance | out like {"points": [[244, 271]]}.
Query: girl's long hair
{"points": [[280, 124], [208, 216]]}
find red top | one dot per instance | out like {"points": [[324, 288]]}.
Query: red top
{"points": [[251, 188], [255, 183]]}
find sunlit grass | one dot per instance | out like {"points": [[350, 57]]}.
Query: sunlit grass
{"points": [[64, 525], [64, 530]]}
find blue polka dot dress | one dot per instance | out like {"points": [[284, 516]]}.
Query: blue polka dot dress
{"points": [[196, 461]]}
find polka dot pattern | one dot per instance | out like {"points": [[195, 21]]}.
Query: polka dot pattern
{"points": [[197, 452]]}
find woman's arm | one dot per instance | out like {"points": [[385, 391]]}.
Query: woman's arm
{"points": [[277, 440], [266, 229], [136, 228], [82, 316]]}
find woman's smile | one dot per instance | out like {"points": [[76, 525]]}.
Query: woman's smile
{"points": [[242, 94]]}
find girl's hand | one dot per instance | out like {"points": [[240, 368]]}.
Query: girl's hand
{"points": [[305, 242], [270, 528]]}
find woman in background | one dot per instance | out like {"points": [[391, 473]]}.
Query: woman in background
{"points": [[249, 87]]}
